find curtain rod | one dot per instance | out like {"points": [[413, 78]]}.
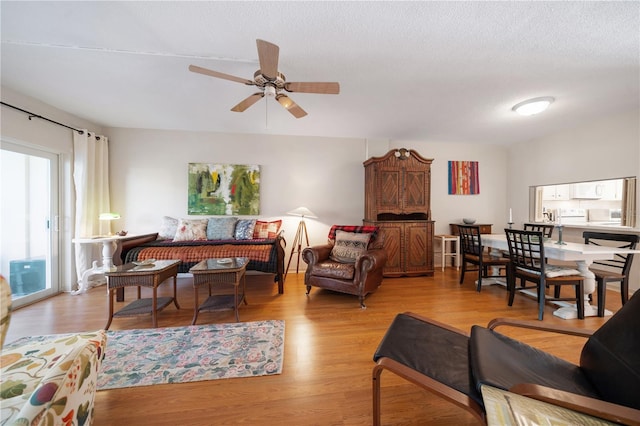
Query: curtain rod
{"points": [[32, 115]]}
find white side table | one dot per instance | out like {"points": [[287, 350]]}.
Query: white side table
{"points": [[455, 248], [109, 247]]}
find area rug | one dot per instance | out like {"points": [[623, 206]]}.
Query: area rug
{"points": [[147, 357]]}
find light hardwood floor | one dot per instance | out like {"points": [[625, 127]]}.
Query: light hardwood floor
{"points": [[329, 344]]}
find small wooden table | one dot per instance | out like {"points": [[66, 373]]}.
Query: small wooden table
{"points": [[228, 271], [152, 275]]}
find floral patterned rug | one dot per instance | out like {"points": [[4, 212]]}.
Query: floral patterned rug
{"points": [[189, 354]]}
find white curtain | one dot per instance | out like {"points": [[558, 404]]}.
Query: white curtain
{"points": [[91, 180]]}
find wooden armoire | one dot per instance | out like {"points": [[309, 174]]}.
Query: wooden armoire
{"points": [[397, 198]]}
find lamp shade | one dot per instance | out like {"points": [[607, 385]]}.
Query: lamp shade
{"points": [[109, 216], [302, 211]]}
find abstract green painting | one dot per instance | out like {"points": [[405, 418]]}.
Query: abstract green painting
{"points": [[224, 189]]}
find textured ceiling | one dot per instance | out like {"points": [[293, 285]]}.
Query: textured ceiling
{"points": [[436, 71]]}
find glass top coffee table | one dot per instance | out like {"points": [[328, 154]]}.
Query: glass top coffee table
{"points": [[150, 274], [220, 273]]}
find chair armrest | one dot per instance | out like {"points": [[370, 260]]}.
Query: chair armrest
{"points": [[583, 404], [314, 255], [371, 260], [536, 325]]}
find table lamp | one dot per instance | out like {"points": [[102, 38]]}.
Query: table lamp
{"points": [[300, 234], [107, 217]]}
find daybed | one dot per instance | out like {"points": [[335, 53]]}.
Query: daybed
{"points": [[197, 239]]}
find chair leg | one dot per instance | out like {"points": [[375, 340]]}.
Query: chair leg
{"points": [[481, 271], [377, 371], [464, 269], [308, 289], [511, 284], [624, 289], [541, 288], [601, 288], [580, 299]]}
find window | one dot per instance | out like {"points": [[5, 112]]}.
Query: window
{"points": [[609, 202]]}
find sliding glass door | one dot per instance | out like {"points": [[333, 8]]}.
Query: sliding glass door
{"points": [[28, 222]]}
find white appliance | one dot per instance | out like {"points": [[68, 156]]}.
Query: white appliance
{"points": [[573, 216], [604, 216]]}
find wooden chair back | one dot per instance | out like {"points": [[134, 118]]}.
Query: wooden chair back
{"points": [[546, 229], [621, 262], [470, 240]]}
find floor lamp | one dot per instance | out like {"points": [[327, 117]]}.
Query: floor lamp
{"points": [[301, 234]]}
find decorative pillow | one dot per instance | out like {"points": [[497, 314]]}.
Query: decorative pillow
{"points": [[349, 246], [267, 229], [168, 227], [190, 230], [244, 229], [221, 228]]}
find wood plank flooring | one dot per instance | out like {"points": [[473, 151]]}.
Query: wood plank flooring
{"points": [[329, 344]]}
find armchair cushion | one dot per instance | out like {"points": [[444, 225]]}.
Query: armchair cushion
{"points": [[349, 246], [332, 269], [51, 379]]}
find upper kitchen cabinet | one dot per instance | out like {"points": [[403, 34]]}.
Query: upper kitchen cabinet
{"points": [[556, 192], [612, 189]]}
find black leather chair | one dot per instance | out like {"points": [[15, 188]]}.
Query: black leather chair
{"points": [[614, 270], [473, 252], [454, 365]]}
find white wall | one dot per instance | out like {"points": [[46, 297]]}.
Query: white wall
{"points": [[604, 149], [149, 177], [489, 206]]}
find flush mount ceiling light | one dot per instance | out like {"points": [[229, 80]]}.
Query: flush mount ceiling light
{"points": [[533, 106]]}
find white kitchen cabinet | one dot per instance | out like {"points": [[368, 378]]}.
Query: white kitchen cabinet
{"points": [[612, 189], [556, 192]]}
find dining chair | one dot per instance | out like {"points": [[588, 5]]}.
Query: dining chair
{"points": [[526, 253], [545, 228], [547, 231], [615, 270], [473, 252]]}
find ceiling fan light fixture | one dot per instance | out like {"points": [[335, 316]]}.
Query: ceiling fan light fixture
{"points": [[284, 100], [533, 106], [269, 91]]}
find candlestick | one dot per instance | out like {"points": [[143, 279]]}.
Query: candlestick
{"points": [[510, 216]]}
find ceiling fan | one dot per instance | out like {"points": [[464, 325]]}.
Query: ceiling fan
{"points": [[271, 82]]}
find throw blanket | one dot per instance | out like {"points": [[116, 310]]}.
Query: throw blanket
{"points": [[262, 254]]}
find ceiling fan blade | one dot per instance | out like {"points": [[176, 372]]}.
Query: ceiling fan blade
{"points": [[291, 106], [268, 57], [194, 68], [248, 102], [322, 88]]}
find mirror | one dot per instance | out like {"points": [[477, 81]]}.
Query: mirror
{"points": [[594, 203]]}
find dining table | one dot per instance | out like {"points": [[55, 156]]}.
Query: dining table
{"points": [[581, 254]]}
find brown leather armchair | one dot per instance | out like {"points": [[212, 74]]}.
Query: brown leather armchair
{"points": [[360, 278]]}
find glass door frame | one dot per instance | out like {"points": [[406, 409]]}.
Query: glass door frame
{"points": [[53, 280]]}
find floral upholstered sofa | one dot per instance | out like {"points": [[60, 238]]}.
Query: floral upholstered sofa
{"points": [[194, 240], [49, 380]]}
